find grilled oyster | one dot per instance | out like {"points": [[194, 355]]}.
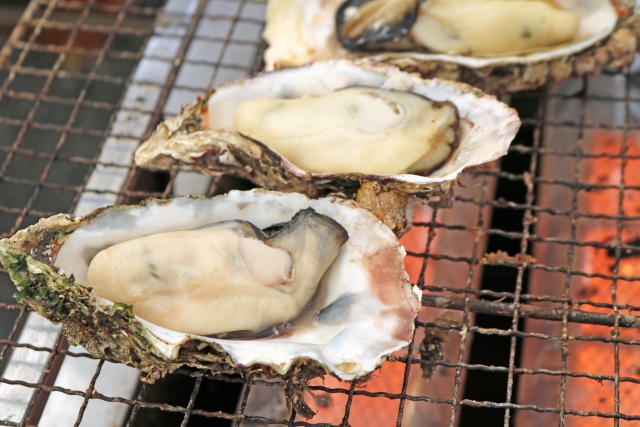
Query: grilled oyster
{"points": [[363, 311], [458, 40], [368, 131]]}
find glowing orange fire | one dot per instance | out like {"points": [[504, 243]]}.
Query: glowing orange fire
{"points": [[592, 356]]}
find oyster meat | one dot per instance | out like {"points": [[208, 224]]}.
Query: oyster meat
{"points": [[495, 44], [362, 310], [468, 27], [336, 127], [492, 27], [230, 280], [361, 130]]}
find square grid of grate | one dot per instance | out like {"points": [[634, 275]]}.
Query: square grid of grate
{"points": [[82, 83]]}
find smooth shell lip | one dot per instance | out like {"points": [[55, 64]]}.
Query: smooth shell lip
{"points": [[370, 265], [487, 125], [319, 41]]}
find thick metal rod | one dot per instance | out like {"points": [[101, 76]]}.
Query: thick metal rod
{"points": [[530, 311]]}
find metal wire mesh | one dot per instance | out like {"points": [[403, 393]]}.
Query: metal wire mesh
{"points": [[63, 76]]}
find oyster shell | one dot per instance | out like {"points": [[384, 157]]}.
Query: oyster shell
{"points": [[365, 312], [202, 136], [301, 31]]}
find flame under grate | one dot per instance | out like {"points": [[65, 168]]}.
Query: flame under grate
{"points": [[530, 304]]}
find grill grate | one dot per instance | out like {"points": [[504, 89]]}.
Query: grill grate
{"points": [[75, 76]]}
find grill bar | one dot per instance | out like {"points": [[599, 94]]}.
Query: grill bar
{"points": [[532, 311], [410, 350], [524, 249], [616, 266], [456, 400]]}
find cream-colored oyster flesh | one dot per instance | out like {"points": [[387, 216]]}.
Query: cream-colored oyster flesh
{"points": [[358, 129], [490, 27], [217, 280]]}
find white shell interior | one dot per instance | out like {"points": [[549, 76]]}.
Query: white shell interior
{"points": [[598, 18], [381, 306], [487, 126]]}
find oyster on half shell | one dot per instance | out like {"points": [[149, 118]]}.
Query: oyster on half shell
{"points": [[365, 130], [363, 311], [492, 44]]}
